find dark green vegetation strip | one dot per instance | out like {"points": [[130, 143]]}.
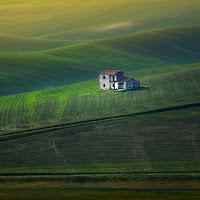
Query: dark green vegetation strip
{"points": [[99, 178], [16, 135], [106, 190], [100, 173], [99, 194]]}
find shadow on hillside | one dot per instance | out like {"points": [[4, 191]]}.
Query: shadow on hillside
{"points": [[136, 89], [116, 91], [2, 93]]}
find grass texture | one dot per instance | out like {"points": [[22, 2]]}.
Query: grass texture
{"points": [[27, 71], [99, 194], [16, 43], [47, 44], [108, 154], [164, 142], [103, 193], [161, 88], [92, 19]]}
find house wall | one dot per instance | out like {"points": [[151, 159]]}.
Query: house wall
{"points": [[125, 85], [116, 85], [120, 87], [105, 81], [112, 78], [119, 76], [136, 84], [112, 87], [132, 83], [108, 81], [129, 84]]}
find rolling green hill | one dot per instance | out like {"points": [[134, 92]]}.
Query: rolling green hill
{"points": [[26, 71], [62, 137], [154, 156], [164, 87], [77, 19], [14, 43], [137, 144]]}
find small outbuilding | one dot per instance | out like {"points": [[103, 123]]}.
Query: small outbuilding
{"points": [[114, 79]]}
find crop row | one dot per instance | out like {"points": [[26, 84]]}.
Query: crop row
{"points": [[84, 101]]}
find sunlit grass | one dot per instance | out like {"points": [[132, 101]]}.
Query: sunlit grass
{"points": [[13, 43], [160, 88], [53, 18]]}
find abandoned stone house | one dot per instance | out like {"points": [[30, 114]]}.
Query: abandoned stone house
{"points": [[114, 79]]}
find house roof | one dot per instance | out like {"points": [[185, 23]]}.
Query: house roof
{"points": [[124, 79], [110, 72]]}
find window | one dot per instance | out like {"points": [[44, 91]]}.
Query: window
{"points": [[104, 77], [112, 78], [121, 86], [104, 85], [113, 85]]}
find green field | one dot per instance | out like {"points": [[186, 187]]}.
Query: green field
{"points": [[61, 137], [166, 141], [152, 156], [84, 100], [26, 71], [77, 19], [135, 190], [100, 193], [14, 43]]}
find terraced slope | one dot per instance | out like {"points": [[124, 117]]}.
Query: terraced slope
{"points": [[14, 43], [92, 19], [161, 88], [23, 71]]}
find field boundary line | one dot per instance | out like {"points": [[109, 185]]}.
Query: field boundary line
{"points": [[99, 173], [26, 133]]}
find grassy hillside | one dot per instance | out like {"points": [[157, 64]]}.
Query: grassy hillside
{"points": [[25, 71], [62, 137], [163, 87], [151, 156], [154, 156], [14, 43], [60, 19], [135, 144]]}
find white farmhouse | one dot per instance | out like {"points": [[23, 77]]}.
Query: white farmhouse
{"points": [[114, 79]]}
